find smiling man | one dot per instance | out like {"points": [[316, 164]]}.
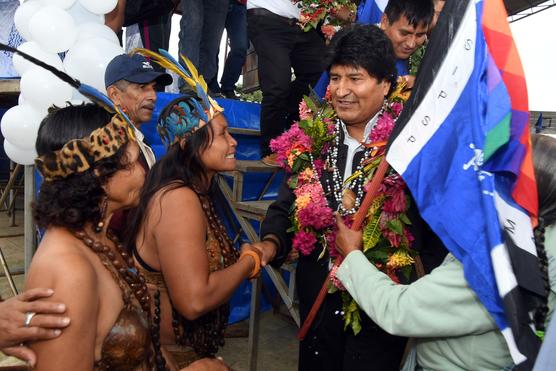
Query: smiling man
{"points": [[130, 83], [406, 23], [362, 73]]}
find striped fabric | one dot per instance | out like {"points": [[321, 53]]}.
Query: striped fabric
{"points": [[462, 146]]}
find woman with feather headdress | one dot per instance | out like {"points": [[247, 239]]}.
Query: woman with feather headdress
{"points": [[177, 239]]}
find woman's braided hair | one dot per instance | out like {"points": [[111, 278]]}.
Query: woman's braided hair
{"points": [[544, 162]]}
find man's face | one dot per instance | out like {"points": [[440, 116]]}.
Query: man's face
{"points": [[356, 95], [405, 37], [137, 100]]}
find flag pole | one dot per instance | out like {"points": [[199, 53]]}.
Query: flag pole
{"points": [[357, 223]]}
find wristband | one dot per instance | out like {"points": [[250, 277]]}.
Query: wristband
{"points": [[257, 260]]}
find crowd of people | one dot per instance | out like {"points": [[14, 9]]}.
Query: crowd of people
{"points": [[135, 268]]}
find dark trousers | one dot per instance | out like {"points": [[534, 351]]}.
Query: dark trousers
{"points": [[155, 34], [281, 46], [201, 28], [236, 27], [327, 346]]}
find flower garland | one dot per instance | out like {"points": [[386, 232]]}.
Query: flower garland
{"points": [[324, 13], [308, 149]]}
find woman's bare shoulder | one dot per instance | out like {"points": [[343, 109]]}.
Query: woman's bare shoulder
{"points": [[60, 257], [171, 199]]}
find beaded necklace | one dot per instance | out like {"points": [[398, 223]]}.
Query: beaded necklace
{"points": [[339, 187], [117, 260]]}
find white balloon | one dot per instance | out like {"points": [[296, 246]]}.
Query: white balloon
{"points": [[64, 4], [53, 29], [99, 6], [88, 59], [91, 30], [81, 15], [20, 155], [20, 99], [23, 16], [32, 48], [42, 89], [20, 125]]}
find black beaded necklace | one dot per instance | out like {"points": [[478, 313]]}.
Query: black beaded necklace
{"points": [[125, 266]]}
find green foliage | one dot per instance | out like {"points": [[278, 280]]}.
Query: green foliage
{"points": [[415, 59], [405, 219], [352, 317], [254, 96], [378, 254], [396, 226], [372, 233]]}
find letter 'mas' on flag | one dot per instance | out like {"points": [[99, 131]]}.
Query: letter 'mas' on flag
{"points": [[462, 145]]}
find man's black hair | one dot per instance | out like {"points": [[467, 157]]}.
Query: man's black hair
{"points": [[364, 46], [417, 12]]}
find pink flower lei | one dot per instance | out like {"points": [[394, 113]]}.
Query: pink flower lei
{"points": [[302, 151]]}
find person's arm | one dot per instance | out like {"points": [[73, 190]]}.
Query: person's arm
{"points": [[115, 19], [74, 282], [179, 231], [440, 304], [276, 242], [46, 323]]}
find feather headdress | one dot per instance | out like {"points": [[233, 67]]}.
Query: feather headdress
{"points": [[78, 155], [188, 72]]}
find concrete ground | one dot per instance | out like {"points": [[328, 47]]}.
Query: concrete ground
{"points": [[278, 346]]}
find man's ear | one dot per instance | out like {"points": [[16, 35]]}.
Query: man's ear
{"points": [[386, 87], [114, 94], [384, 22]]}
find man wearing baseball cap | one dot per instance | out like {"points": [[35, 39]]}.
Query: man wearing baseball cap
{"points": [[130, 82]]}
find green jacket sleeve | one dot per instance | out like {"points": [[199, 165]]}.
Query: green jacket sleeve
{"points": [[439, 304]]}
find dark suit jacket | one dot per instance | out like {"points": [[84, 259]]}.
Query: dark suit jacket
{"points": [[311, 272]]}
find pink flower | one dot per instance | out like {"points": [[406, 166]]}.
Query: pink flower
{"points": [[304, 111], [328, 95], [335, 281], [395, 203], [316, 216], [314, 190], [393, 188], [319, 166], [396, 108], [328, 30], [331, 241], [304, 242], [383, 128], [292, 140]]}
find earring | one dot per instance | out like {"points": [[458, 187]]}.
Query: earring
{"points": [[100, 224]]}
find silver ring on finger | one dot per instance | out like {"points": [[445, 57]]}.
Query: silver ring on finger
{"points": [[28, 317]]}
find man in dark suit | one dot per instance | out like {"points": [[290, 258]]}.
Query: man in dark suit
{"points": [[362, 72]]}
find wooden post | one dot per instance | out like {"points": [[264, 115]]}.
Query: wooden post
{"points": [[30, 235]]}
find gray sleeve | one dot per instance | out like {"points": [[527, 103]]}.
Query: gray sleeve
{"points": [[439, 304]]}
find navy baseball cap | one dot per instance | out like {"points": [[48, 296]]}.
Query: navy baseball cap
{"points": [[134, 69]]}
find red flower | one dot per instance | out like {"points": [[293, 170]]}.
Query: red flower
{"points": [[304, 242]]}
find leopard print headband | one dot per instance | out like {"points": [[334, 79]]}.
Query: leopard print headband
{"points": [[79, 155]]}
